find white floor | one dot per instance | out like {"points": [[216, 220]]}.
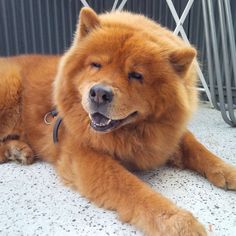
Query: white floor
{"points": [[34, 202]]}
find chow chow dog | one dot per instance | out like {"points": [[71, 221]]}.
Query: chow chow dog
{"points": [[118, 100]]}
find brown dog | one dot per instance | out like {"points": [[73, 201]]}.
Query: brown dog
{"points": [[125, 91]]}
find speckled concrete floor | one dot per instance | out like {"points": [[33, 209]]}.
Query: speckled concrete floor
{"points": [[34, 202]]}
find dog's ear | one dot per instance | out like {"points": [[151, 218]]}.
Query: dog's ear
{"points": [[88, 21], [182, 58]]}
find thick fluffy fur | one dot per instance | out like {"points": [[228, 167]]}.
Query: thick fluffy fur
{"points": [[96, 164]]}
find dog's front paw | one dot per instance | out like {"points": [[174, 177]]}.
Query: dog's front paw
{"points": [[184, 223], [15, 150], [167, 219], [223, 176]]}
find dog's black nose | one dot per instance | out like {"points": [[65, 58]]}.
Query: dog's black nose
{"points": [[100, 94]]}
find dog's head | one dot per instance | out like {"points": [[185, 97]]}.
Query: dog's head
{"points": [[122, 73]]}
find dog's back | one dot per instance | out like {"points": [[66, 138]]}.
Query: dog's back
{"points": [[10, 96]]}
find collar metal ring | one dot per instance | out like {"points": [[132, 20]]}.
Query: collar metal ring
{"points": [[46, 118]]}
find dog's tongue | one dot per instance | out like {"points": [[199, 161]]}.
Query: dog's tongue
{"points": [[99, 118]]}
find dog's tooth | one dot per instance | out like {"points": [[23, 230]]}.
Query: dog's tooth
{"points": [[107, 122], [99, 124]]}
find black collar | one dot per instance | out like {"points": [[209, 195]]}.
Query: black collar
{"points": [[55, 129]]}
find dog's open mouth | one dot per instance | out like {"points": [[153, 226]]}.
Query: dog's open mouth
{"points": [[102, 123]]}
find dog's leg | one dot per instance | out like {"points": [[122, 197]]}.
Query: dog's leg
{"points": [[108, 184], [196, 157], [16, 150]]}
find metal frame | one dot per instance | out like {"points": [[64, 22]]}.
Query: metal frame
{"points": [[226, 106], [179, 29]]}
